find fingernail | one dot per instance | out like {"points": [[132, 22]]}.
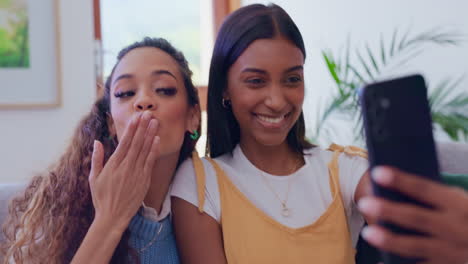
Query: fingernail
{"points": [[372, 234], [366, 232], [94, 146], [153, 123], [382, 175], [135, 118], [367, 205], [146, 115]]}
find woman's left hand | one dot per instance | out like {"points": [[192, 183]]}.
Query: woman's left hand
{"points": [[446, 223]]}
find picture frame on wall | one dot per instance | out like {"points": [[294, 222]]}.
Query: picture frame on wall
{"points": [[30, 70]]}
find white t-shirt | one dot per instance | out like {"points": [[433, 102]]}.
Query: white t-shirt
{"points": [[309, 194], [153, 215]]}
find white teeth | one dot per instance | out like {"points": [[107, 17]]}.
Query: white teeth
{"points": [[271, 119]]}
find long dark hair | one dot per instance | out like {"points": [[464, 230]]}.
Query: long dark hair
{"points": [[48, 222], [238, 31]]}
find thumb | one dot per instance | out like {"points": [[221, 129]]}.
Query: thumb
{"points": [[97, 160]]}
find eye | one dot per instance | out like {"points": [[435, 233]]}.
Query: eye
{"points": [[125, 94], [255, 82], [170, 91], [293, 80]]}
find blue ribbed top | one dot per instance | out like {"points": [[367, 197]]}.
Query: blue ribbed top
{"points": [[151, 247]]}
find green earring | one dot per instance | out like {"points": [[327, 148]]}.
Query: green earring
{"points": [[194, 135]]}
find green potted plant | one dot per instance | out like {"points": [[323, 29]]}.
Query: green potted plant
{"points": [[355, 67]]}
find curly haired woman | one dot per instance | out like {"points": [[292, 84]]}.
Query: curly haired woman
{"points": [[106, 199]]}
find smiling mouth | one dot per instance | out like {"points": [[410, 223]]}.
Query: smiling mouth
{"points": [[272, 121]]}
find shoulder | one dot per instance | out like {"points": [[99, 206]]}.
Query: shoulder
{"points": [[191, 187], [318, 153], [345, 157], [349, 162], [354, 160], [186, 167]]}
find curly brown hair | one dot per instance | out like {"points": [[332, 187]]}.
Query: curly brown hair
{"points": [[49, 220]]}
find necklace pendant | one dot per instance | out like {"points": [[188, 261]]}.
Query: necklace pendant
{"points": [[285, 211]]}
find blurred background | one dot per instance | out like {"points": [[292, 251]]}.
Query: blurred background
{"points": [[55, 54]]}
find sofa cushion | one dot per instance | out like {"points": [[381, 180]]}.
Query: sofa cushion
{"points": [[453, 157]]}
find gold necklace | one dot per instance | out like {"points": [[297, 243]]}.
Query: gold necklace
{"points": [[152, 240], [285, 210]]}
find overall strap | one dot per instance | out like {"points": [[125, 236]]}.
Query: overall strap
{"points": [[201, 181], [333, 165], [218, 170], [350, 150]]}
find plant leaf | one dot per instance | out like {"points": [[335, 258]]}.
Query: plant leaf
{"points": [[403, 43], [382, 49], [392, 47], [371, 57], [364, 65], [331, 67], [346, 71], [357, 74]]}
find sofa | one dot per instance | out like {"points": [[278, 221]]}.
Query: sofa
{"points": [[453, 158]]}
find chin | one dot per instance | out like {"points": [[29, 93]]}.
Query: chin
{"points": [[271, 140]]}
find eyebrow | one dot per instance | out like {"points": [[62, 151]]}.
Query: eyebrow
{"points": [[159, 72], [123, 76], [154, 73], [295, 68], [256, 70]]}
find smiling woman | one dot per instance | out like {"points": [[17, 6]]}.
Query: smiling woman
{"points": [[254, 79], [266, 187]]}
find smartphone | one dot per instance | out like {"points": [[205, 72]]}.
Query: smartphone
{"points": [[398, 129]]}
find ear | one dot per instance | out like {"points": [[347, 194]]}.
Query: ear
{"points": [[110, 125], [194, 118]]}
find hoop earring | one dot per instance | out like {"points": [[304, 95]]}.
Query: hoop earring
{"points": [[226, 103], [194, 135]]}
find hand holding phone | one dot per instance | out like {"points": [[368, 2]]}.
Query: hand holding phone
{"points": [[398, 130]]}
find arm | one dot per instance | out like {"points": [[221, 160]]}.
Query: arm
{"points": [[118, 188], [199, 236], [99, 244]]}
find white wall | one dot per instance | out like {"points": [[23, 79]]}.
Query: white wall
{"points": [[30, 140], [327, 24]]}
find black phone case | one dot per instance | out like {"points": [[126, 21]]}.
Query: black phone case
{"points": [[398, 128]]}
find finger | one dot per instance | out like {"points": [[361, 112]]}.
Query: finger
{"points": [[405, 215], [406, 246], [448, 226], [127, 137], [421, 189], [152, 156], [149, 137], [138, 139], [97, 161]]}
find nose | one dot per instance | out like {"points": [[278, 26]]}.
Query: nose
{"points": [[144, 102], [276, 99]]}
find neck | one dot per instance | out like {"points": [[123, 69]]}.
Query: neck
{"points": [[161, 179], [276, 160]]}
